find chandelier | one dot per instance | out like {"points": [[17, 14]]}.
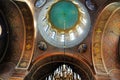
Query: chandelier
{"points": [[63, 72]]}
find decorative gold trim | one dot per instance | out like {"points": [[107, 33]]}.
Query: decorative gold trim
{"points": [[99, 30]]}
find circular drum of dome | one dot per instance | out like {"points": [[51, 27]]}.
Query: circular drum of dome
{"points": [[64, 23]]}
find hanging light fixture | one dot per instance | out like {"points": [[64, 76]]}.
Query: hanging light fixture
{"points": [[63, 72]]}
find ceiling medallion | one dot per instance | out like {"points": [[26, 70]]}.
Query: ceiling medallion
{"points": [[64, 23], [64, 16], [39, 3]]}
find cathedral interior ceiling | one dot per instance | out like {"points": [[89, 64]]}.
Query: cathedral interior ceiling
{"points": [[28, 53]]}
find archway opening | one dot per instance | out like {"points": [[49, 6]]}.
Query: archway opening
{"points": [[46, 66]]}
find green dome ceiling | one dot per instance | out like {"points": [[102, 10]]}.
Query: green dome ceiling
{"points": [[64, 23], [63, 15]]}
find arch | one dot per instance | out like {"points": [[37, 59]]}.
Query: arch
{"points": [[47, 62]]}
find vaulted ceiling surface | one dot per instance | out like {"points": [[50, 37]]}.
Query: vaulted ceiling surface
{"points": [[24, 56]]}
